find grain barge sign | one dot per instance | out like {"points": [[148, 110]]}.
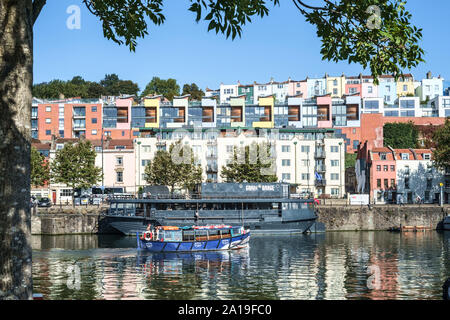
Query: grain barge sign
{"points": [[245, 190], [359, 199]]}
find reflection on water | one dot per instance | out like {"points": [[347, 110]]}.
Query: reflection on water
{"points": [[347, 265]]}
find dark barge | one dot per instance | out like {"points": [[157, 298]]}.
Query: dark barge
{"points": [[261, 207]]}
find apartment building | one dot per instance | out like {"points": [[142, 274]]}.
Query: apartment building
{"points": [[430, 87], [311, 159]]}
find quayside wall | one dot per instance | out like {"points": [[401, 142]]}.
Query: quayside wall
{"points": [[332, 218]]}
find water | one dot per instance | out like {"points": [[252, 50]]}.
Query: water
{"points": [[341, 265]]}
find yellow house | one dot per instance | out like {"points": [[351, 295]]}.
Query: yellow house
{"points": [[405, 86], [335, 86], [152, 111], [267, 114]]}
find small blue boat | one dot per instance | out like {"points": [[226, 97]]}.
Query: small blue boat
{"points": [[193, 239]]}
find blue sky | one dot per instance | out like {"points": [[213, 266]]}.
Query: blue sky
{"points": [[281, 45]]}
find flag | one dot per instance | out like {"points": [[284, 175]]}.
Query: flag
{"points": [[318, 176]]}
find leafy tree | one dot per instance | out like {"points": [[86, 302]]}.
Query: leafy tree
{"points": [[167, 168], [250, 164], [400, 135], [74, 165], [195, 92], [342, 25], [441, 155], [114, 86], [350, 160], [40, 170], [168, 88]]}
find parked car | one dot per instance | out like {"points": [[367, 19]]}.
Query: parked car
{"points": [[44, 202], [83, 200]]}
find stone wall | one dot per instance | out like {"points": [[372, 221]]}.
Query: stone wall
{"points": [[361, 218], [64, 223]]}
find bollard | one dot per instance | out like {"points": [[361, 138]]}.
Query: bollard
{"points": [[446, 290]]}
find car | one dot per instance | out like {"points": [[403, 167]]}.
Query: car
{"points": [[44, 202], [83, 200]]}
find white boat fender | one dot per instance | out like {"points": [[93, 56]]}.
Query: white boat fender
{"points": [[147, 235]]}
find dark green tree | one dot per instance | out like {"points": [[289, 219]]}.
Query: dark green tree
{"points": [[168, 88], [195, 92], [349, 30], [251, 163], [170, 169], [113, 86], [441, 155], [74, 165], [400, 135], [40, 169]]}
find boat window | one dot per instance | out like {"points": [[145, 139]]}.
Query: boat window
{"points": [[172, 235], [285, 206], [188, 235], [294, 205]]}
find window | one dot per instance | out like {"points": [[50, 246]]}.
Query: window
{"points": [[426, 156], [285, 148], [305, 176], [305, 163], [334, 149], [48, 120], [61, 133], [119, 161], [146, 148], [392, 183], [119, 176], [94, 109], [405, 87], [405, 156], [305, 149], [48, 132], [335, 191], [65, 192], [383, 156], [230, 148], [94, 120], [335, 176], [286, 176], [59, 146], [335, 91], [94, 132], [286, 162], [335, 163], [355, 144], [387, 98], [378, 168], [98, 149], [429, 183], [385, 168], [335, 83], [123, 133], [370, 89], [379, 183], [392, 168], [386, 183], [145, 162], [48, 109], [119, 147]]}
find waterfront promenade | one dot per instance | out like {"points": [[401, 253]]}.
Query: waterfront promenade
{"points": [[334, 217]]}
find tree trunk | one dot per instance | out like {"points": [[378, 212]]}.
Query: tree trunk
{"points": [[16, 79]]}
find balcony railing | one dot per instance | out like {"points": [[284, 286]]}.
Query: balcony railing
{"points": [[320, 183], [320, 154], [320, 168]]}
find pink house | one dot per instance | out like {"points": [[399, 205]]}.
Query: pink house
{"points": [[324, 112], [296, 88]]}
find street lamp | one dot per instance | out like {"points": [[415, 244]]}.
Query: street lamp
{"points": [[295, 163], [139, 162]]}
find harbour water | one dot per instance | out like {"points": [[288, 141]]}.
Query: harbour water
{"points": [[334, 265]]}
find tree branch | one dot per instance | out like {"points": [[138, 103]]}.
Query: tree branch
{"points": [[37, 7]]}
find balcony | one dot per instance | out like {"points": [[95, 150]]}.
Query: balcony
{"points": [[211, 169], [211, 155], [211, 142], [321, 168], [320, 154], [320, 183]]}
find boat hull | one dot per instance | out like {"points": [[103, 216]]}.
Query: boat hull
{"points": [[131, 224], [233, 243], [447, 223]]}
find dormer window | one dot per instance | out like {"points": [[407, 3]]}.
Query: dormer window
{"points": [[119, 147], [383, 156], [405, 156], [427, 156]]}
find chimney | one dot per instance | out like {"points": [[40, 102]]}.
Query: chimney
{"points": [[429, 75], [61, 96]]}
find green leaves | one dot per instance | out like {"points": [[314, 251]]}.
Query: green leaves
{"points": [[381, 38], [195, 92], [162, 170], [168, 88], [40, 170], [74, 165], [400, 135], [250, 164], [441, 155]]}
